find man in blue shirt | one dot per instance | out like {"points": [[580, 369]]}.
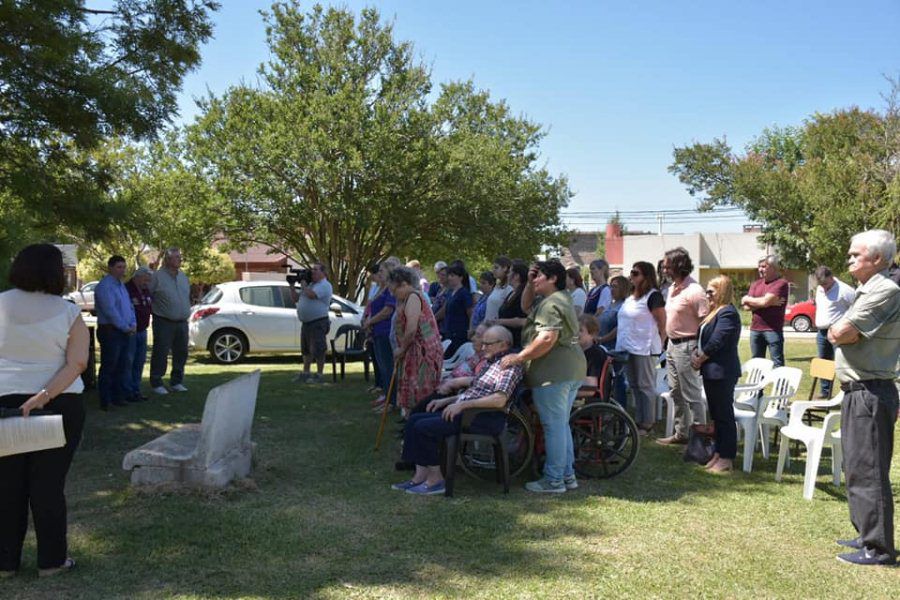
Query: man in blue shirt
{"points": [[115, 324], [313, 304]]}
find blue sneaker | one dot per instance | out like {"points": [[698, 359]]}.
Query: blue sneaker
{"points": [[405, 485], [423, 489]]}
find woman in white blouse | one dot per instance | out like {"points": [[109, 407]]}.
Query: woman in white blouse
{"points": [[575, 287], [641, 331], [43, 350]]}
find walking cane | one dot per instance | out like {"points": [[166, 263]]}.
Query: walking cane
{"points": [[386, 405]]}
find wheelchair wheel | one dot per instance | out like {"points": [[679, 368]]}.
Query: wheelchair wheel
{"points": [[477, 458], [605, 439]]}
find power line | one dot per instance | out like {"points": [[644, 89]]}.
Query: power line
{"points": [[627, 213]]}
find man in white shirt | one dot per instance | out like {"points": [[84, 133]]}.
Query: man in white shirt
{"points": [[833, 298], [501, 290]]}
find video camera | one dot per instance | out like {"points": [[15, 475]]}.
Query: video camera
{"points": [[295, 276]]}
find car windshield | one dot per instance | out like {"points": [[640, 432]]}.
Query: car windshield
{"points": [[212, 296]]}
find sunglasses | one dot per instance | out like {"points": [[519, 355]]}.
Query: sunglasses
{"points": [[635, 273], [710, 292]]}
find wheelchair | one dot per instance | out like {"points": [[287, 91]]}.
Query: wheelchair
{"points": [[605, 437]]}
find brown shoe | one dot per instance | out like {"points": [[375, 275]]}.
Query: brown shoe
{"points": [[672, 439]]}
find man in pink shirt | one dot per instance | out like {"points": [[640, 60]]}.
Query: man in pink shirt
{"points": [[685, 308]]}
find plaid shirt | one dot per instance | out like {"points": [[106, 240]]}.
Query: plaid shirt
{"points": [[493, 379]]}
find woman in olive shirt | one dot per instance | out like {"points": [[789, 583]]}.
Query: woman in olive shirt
{"points": [[555, 369]]}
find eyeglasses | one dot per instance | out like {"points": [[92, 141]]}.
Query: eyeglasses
{"points": [[487, 343]]}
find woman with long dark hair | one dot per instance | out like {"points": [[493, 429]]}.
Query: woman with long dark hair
{"points": [[511, 314], [640, 332], [43, 350], [575, 287]]}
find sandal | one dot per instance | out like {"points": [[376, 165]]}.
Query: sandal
{"points": [[67, 565]]}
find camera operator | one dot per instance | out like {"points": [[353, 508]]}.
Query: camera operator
{"points": [[313, 301]]}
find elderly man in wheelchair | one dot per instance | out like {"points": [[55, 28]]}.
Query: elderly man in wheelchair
{"points": [[425, 431]]}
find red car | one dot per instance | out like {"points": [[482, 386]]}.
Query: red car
{"points": [[801, 316]]}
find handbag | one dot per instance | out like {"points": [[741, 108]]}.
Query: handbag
{"points": [[701, 444]]}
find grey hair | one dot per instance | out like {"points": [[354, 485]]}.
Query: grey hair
{"points": [[877, 241], [772, 260], [170, 251], [502, 333], [391, 263], [405, 275], [142, 271]]}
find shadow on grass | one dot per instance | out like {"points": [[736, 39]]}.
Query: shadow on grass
{"points": [[321, 519]]}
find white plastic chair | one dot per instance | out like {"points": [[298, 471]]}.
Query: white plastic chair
{"points": [[664, 396], [754, 371], [461, 354], [814, 438], [782, 383]]}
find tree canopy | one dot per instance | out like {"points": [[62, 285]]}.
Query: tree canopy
{"points": [[339, 155], [71, 78], [811, 186]]}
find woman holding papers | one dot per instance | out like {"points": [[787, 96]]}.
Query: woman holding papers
{"points": [[43, 350]]}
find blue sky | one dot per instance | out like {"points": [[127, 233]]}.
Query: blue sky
{"points": [[619, 84]]}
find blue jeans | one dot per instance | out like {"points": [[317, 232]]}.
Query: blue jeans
{"points": [[114, 368], [554, 405], [137, 356], [384, 362], [773, 340], [826, 350]]}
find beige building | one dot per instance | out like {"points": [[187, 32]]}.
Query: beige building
{"points": [[733, 254]]}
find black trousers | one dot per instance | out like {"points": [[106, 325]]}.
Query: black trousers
{"points": [[720, 400], [868, 414], [37, 480]]}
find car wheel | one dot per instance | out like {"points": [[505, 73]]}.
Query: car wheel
{"points": [[801, 324], [228, 346]]}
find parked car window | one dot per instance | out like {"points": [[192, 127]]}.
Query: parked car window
{"points": [[89, 287], [262, 296], [286, 298], [212, 296]]}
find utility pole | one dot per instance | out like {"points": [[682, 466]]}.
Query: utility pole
{"points": [[659, 219]]}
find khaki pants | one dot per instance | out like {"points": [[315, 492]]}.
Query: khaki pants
{"points": [[687, 386]]}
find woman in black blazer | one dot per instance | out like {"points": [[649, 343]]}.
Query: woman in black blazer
{"points": [[717, 359]]}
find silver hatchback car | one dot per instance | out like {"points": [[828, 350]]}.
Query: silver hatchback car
{"points": [[239, 317]]}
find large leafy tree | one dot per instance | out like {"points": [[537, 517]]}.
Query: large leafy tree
{"points": [[167, 204], [339, 156], [811, 186], [72, 76]]}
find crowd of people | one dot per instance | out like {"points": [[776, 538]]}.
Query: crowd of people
{"points": [[529, 327], [554, 334]]}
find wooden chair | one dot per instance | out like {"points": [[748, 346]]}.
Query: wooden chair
{"points": [[819, 369]]}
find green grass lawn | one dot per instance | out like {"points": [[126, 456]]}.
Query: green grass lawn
{"points": [[318, 520]]}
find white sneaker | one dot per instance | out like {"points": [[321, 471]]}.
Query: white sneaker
{"points": [[178, 388], [160, 390]]}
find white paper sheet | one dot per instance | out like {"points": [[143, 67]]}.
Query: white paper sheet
{"points": [[29, 434]]}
